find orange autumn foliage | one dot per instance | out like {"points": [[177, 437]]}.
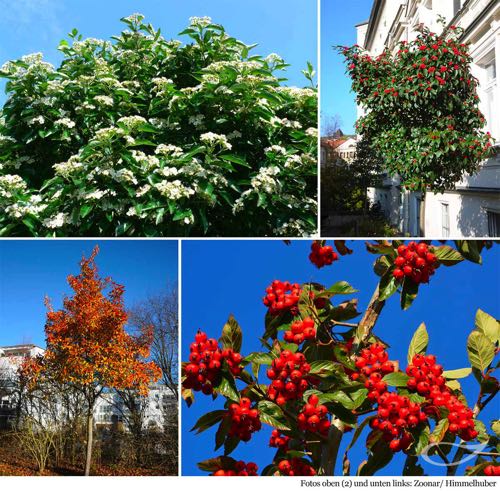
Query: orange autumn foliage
{"points": [[87, 344]]}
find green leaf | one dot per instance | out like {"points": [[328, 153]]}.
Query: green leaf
{"points": [[408, 293], [322, 367], [447, 255], [232, 335], [227, 388], [418, 343], [481, 350], [212, 465], [396, 379], [235, 159], [380, 456], [422, 440], [488, 325], [339, 288], [230, 444], [208, 420], [271, 414], [439, 431], [349, 401], [453, 385], [480, 427], [458, 373], [495, 426], [387, 286], [344, 311], [260, 358], [222, 431]]}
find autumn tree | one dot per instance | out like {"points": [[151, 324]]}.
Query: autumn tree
{"points": [[88, 346]]}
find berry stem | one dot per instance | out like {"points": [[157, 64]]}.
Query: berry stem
{"points": [[370, 317]]}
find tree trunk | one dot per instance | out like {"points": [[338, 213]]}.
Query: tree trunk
{"points": [[90, 434]]}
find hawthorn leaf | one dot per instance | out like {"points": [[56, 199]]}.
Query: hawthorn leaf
{"points": [[208, 420], [232, 335], [458, 373], [418, 343], [396, 379], [447, 255], [481, 350], [488, 325]]}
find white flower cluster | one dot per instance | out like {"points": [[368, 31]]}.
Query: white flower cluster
{"points": [[215, 139], [148, 162], [265, 181], [124, 175], [65, 122], [200, 21], [66, 169], [168, 150], [135, 18], [161, 84], [132, 122], [104, 100], [56, 221], [22, 208], [293, 228], [11, 183], [174, 190], [276, 149], [197, 120]]}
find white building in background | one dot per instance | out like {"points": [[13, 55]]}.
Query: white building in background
{"points": [[473, 208], [109, 408]]}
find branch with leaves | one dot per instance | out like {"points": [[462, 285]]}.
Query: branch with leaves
{"points": [[326, 376]]}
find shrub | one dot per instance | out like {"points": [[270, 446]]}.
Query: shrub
{"points": [[144, 136]]}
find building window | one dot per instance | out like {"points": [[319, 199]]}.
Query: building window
{"points": [[488, 86], [445, 220], [493, 224], [456, 6]]}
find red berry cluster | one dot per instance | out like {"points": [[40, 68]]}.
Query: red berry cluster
{"points": [[313, 417], [205, 363], [322, 255], [373, 363], [492, 470], [395, 414], [278, 440], [245, 420], [415, 261], [426, 378], [282, 296], [295, 467], [240, 469], [288, 374], [301, 331]]}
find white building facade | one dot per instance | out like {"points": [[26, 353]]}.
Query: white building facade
{"points": [[109, 408], [472, 209]]}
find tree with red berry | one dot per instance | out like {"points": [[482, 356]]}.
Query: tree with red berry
{"points": [[326, 376], [422, 114]]}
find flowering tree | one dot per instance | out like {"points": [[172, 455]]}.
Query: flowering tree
{"points": [[422, 111], [144, 136], [88, 347], [326, 376]]}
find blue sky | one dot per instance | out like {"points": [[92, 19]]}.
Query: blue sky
{"points": [[286, 27], [338, 19], [224, 277], [31, 269]]}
